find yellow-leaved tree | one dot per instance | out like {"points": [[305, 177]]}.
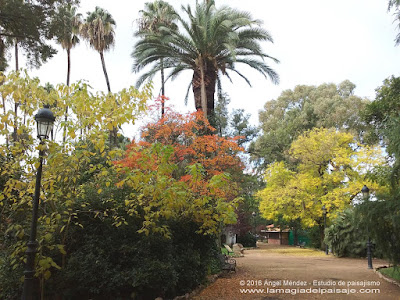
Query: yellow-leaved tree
{"points": [[331, 170], [77, 153]]}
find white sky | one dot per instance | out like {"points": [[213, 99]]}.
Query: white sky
{"points": [[316, 41]]}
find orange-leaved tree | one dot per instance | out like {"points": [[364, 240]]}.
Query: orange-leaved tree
{"points": [[197, 166]]}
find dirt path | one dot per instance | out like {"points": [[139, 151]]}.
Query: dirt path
{"points": [[284, 272]]}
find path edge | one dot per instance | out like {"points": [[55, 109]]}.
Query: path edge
{"points": [[376, 271]]}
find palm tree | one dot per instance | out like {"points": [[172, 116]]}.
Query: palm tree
{"points": [[395, 4], [98, 29], [156, 14], [68, 39], [212, 42]]}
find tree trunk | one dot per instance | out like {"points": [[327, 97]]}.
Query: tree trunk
{"points": [[15, 133], [162, 89], [4, 111], [196, 86], [114, 131], [66, 108], [68, 65], [203, 84], [16, 55], [211, 79], [203, 94], [105, 71]]}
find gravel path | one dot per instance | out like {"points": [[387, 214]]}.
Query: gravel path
{"points": [[284, 272]]}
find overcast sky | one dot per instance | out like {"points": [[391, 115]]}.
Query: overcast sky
{"points": [[317, 41]]}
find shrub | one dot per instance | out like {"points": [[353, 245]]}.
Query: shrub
{"points": [[344, 238], [247, 240], [106, 262]]}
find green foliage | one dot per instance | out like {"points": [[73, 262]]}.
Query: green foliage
{"points": [[28, 23], [208, 41], [10, 277], [383, 115], [247, 240], [141, 227], [98, 30], [314, 235], [382, 219], [126, 262], [393, 272], [394, 5], [71, 166], [345, 237], [304, 108]]}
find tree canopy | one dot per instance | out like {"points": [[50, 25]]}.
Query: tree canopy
{"points": [[330, 173], [301, 109], [30, 24], [383, 115], [210, 42]]}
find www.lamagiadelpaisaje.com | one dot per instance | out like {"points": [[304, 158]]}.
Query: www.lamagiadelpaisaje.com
{"points": [[321, 287]]}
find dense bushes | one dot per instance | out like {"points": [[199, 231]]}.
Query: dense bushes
{"points": [[247, 240], [105, 262], [382, 218], [108, 262], [344, 237]]}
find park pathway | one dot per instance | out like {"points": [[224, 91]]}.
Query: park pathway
{"points": [[284, 272]]}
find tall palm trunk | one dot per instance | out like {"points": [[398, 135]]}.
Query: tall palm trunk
{"points": [[4, 112], [105, 71], [114, 131], [162, 89], [15, 133], [199, 90], [66, 107], [68, 65], [203, 84], [16, 55], [203, 93]]}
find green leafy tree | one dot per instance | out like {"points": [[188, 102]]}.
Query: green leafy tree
{"points": [[301, 109], [383, 115], [27, 25], [211, 43], [98, 30], [157, 14]]}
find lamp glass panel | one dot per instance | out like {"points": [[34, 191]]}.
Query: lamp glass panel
{"points": [[44, 128]]}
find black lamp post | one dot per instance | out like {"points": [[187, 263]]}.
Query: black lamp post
{"points": [[365, 192], [45, 120], [324, 212]]}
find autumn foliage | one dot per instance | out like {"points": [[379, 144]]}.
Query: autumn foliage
{"points": [[196, 164], [187, 135]]}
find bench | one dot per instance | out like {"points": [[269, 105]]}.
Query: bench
{"points": [[229, 249], [301, 245], [227, 263]]}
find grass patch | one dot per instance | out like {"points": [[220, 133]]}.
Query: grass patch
{"points": [[393, 272], [296, 251]]}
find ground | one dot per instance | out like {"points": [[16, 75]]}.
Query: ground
{"points": [[299, 274]]}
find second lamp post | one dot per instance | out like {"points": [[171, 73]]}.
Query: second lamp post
{"points": [[365, 192], [324, 212]]}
